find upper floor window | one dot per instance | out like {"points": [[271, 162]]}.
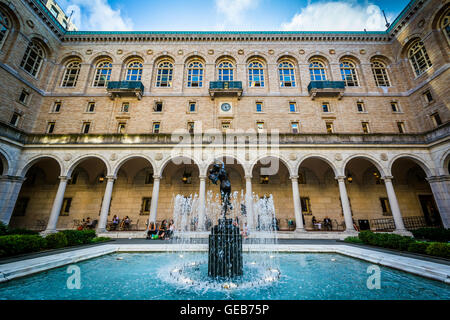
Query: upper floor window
{"points": [[195, 74], [4, 28], [286, 71], [255, 74], [317, 71], [15, 119], [428, 96], [102, 73], [259, 107], [348, 73], [165, 74], [71, 73], [56, 107], [225, 71], [134, 71], [292, 107], [380, 73], [192, 106], [54, 11], [360, 107], [294, 127], [33, 58], [418, 57]]}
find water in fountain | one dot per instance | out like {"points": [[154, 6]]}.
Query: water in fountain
{"points": [[261, 267]]}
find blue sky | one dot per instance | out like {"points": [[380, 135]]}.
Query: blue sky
{"points": [[217, 15]]}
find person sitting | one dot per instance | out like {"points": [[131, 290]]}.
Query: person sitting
{"points": [[171, 229], [316, 225], [151, 230], [126, 223], [162, 232], [115, 222], [88, 223], [245, 232], [327, 224]]}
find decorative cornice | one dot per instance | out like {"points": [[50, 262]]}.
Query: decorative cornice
{"points": [[228, 36]]}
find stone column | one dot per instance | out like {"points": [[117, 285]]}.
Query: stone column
{"points": [[297, 206], [440, 186], [9, 191], [202, 204], [57, 204], [345, 204], [249, 201], [106, 204], [155, 194], [396, 214]]}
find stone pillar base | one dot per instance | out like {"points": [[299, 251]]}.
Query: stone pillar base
{"points": [[403, 232], [47, 232], [300, 230], [350, 233]]}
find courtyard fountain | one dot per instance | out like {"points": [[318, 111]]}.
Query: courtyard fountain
{"points": [[224, 267]]}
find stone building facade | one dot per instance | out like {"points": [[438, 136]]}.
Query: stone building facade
{"points": [[354, 124]]}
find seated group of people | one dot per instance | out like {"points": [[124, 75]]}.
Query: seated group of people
{"points": [[326, 223], [165, 231], [124, 224]]}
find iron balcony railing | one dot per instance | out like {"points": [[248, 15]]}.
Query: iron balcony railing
{"points": [[225, 85], [125, 85], [326, 85]]}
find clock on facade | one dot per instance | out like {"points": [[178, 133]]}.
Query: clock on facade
{"points": [[225, 107]]}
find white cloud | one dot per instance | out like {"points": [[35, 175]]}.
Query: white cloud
{"points": [[337, 15], [96, 15], [235, 10]]}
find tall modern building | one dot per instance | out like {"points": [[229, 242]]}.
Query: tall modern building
{"points": [[353, 126]]}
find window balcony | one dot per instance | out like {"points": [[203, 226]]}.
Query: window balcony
{"points": [[125, 89], [326, 89], [225, 88]]}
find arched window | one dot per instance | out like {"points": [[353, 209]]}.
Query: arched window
{"points": [[102, 73], [418, 56], [71, 73], [134, 71], [4, 28], [255, 74], [445, 25], [195, 74], [33, 58], [165, 73], [380, 73], [286, 71], [317, 70], [348, 73], [225, 71]]}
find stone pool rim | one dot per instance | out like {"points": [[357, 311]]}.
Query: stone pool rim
{"points": [[416, 266]]}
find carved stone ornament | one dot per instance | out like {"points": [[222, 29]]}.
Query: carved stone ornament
{"points": [[384, 157], [338, 157], [113, 157], [30, 24], [159, 156], [292, 156], [67, 157]]}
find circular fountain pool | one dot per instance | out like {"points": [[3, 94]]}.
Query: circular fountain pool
{"points": [[147, 276]]}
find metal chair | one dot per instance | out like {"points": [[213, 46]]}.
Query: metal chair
{"points": [[134, 226]]}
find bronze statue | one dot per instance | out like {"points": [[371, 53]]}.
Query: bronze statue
{"points": [[218, 172]]}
